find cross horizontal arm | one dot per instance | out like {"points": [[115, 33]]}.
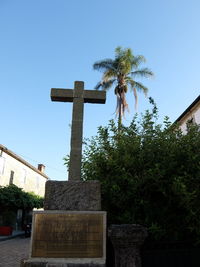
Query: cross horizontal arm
{"points": [[62, 95], [67, 95], [94, 96]]}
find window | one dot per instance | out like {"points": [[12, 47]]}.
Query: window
{"points": [[2, 165], [191, 120], [11, 177]]}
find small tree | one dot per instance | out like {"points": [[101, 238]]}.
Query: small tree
{"points": [[150, 174], [122, 73]]}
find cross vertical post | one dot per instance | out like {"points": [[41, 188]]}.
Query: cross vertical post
{"points": [[76, 132]]}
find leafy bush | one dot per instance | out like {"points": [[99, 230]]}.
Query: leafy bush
{"points": [[13, 198], [150, 175]]}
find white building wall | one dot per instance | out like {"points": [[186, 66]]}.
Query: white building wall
{"points": [[24, 177], [194, 114]]}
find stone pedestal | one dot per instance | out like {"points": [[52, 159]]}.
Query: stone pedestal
{"points": [[72, 195], [71, 231], [46, 264], [127, 240], [25, 263]]}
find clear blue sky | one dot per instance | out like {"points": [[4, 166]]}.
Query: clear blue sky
{"points": [[52, 43]]}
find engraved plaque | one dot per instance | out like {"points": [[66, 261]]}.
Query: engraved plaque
{"points": [[68, 235]]}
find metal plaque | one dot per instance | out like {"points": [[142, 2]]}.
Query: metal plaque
{"points": [[68, 235]]}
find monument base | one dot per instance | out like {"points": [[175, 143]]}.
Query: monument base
{"points": [[28, 263], [68, 239]]}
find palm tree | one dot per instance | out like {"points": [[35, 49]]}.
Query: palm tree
{"points": [[121, 72]]}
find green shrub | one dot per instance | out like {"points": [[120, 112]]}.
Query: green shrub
{"points": [[150, 175], [13, 198]]}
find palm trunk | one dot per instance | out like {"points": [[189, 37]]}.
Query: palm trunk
{"points": [[120, 112]]}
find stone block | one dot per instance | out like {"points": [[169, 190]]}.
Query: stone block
{"points": [[73, 195]]}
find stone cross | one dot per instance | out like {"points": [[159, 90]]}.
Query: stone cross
{"points": [[78, 96]]}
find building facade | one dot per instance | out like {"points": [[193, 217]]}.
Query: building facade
{"points": [[15, 170], [191, 114]]}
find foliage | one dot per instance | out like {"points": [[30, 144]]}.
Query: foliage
{"points": [[119, 72], [13, 197], [150, 175]]}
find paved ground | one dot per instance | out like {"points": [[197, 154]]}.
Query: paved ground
{"points": [[14, 235], [13, 250]]}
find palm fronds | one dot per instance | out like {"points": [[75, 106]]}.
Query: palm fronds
{"points": [[105, 85], [104, 65], [141, 87], [137, 60], [144, 72]]}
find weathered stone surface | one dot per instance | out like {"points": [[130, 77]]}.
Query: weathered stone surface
{"points": [[127, 240], [76, 135], [73, 195]]}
